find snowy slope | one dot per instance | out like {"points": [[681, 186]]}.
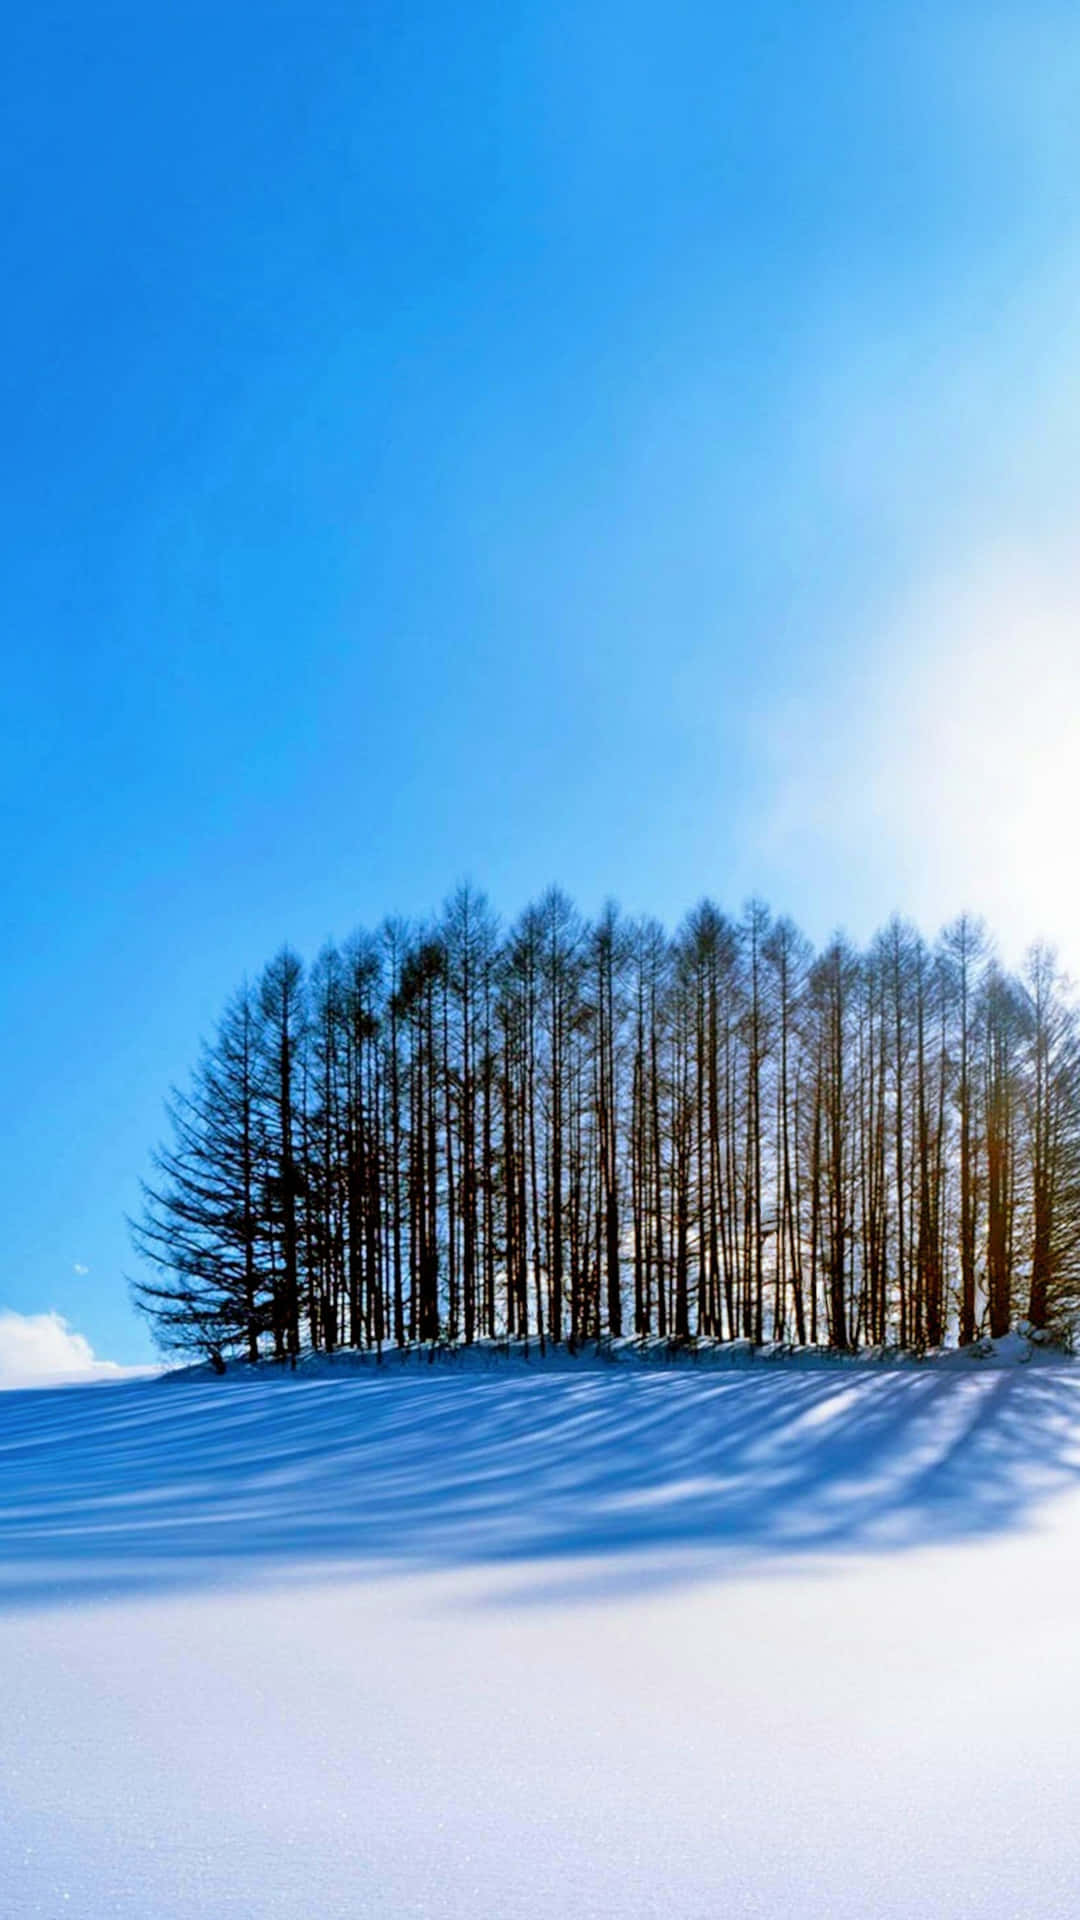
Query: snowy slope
{"points": [[593, 1641]]}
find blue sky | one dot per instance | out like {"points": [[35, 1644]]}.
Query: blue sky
{"points": [[620, 444]]}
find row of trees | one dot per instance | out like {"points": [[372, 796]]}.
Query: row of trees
{"points": [[570, 1129]]}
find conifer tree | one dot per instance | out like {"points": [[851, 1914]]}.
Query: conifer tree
{"points": [[204, 1228]]}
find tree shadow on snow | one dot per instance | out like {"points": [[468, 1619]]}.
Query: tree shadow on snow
{"points": [[645, 1476]]}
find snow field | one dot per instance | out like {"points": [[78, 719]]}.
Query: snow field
{"points": [[587, 1642]]}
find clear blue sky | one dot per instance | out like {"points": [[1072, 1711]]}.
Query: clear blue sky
{"points": [[629, 445]]}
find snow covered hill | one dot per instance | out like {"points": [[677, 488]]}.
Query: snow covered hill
{"points": [[585, 1640]]}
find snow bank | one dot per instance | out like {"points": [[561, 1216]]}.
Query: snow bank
{"points": [[486, 1356]]}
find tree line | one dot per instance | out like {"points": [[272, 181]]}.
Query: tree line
{"points": [[569, 1130]]}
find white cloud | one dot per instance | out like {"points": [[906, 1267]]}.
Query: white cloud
{"points": [[40, 1347], [79, 1268]]}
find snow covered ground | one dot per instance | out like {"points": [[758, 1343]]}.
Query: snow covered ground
{"points": [[591, 1641]]}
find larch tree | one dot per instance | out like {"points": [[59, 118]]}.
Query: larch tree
{"points": [[204, 1229], [572, 1130]]}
